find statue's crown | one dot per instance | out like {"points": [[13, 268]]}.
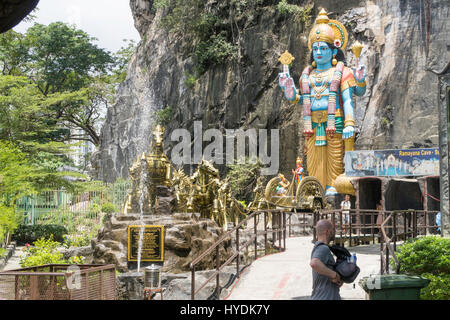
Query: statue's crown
{"points": [[329, 31]]}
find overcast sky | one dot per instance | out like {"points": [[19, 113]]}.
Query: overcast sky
{"points": [[110, 21]]}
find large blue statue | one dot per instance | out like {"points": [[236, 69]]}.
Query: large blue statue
{"points": [[326, 93]]}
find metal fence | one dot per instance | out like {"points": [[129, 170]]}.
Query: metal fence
{"points": [[62, 207], [59, 282], [277, 230]]}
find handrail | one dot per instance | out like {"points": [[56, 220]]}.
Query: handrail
{"points": [[281, 228], [388, 243]]}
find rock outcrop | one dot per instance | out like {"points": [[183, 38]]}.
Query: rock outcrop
{"points": [[186, 237], [405, 46]]}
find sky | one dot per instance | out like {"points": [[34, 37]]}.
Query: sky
{"points": [[110, 21]]}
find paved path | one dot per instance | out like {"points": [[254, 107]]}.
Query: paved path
{"points": [[287, 275], [13, 262]]}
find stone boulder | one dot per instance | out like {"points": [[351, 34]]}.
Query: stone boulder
{"points": [[186, 237]]}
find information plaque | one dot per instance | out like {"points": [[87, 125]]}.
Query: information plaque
{"points": [[152, 243]]}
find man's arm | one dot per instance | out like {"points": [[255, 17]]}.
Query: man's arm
{"points": [[319, 267]]}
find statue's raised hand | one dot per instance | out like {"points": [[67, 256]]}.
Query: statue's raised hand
{"points": [[287, 84], [360, 73], [348, 132]]}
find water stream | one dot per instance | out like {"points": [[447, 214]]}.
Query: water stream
{"points": [[143, 188]]}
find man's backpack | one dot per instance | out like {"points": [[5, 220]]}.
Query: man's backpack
{"points": [[346, 270]]}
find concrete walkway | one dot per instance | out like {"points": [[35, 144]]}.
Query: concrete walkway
{"points": [[13, 262], [287, 275]]}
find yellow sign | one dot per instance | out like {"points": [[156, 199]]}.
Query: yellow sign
{"points": [[152, 243]]}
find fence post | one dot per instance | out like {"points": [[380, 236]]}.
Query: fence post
{"points": [[193, 283], [218, 272], [255, 230], [237, 251], [284, 230], [265, 233]]}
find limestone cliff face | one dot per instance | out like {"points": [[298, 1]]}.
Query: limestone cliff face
{"points": [[405, 46]]}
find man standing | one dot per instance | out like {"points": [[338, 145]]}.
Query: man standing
{"points": [[326, 282], [346, 205]]}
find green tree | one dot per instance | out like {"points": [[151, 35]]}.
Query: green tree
{"points": [[72, 75]]}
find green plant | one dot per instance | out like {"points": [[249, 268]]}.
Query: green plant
{"points": [[302, 14], [30, 234], [108, 207], [438, 288], [164, 116], [44, 251], [9, 221], [190, 80], [214, 50], [82, 238], [3, 252], [94, 211], [428, 257], [425, 255], [242, 177]]}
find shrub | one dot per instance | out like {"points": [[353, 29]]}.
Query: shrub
{"points": [[303, 14], [83, 238], [108, 207], [164, 116], [425, 255], [94, 210], [44, 251], [438, 289], [242, 176], [428, 257], [29, 234]]}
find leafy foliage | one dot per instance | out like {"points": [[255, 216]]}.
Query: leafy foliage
{"points": [[425, 255], [438, 288], [64, 81], [9, 220], [108, 207], [44, 251], [242, 176], [31, 233], [164, 116], [302, 14], [428, 257]]}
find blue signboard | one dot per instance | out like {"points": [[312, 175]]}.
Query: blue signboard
{"points": [[388, 163]]}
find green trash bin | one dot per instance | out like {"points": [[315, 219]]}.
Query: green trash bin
{"points": [[393, 286]]}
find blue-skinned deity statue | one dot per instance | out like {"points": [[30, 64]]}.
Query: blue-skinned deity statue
{"points": [[326, 90]]}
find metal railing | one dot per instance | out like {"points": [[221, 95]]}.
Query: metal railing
{"points": [[278, 231], [59, 282], [402, 225], [354, 226]]}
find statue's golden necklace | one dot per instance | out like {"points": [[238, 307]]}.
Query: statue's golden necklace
{"points": [[320, 81]]}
